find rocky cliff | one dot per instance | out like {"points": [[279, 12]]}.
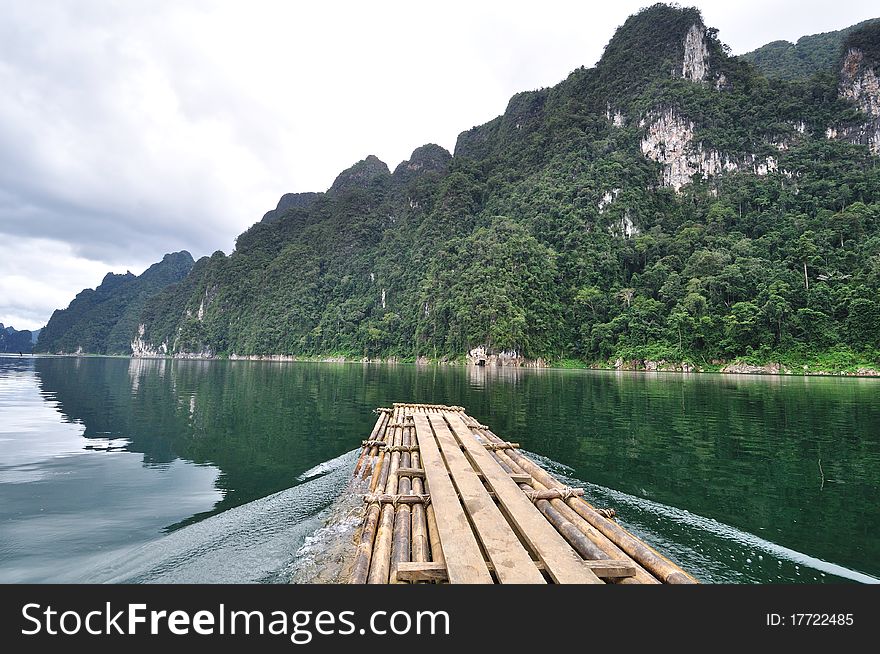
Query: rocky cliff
{"points": [[859, 84]]}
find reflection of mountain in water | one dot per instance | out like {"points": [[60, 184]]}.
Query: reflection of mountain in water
{"points": [[737, 449], [261, 424]]}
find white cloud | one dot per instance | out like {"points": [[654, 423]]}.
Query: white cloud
{"points": [[37, 275], [128, 130]]}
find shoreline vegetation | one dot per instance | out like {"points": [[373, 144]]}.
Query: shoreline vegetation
{"points": [[836, 363]]}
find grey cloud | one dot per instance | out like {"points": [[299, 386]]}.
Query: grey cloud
{"points": [[93, 133]]}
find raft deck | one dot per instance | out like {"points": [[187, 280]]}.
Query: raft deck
{"points": [[450, 501]]}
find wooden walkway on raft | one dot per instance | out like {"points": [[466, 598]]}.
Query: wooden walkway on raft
{"points": [[449, 501]]}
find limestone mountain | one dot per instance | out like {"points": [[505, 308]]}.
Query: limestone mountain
{"points": [[15, 341], [103, 320], [672, 202], [290, 201]]}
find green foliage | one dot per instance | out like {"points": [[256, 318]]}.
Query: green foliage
{"points": [[865, 37], [494, 287], [818, 53]]}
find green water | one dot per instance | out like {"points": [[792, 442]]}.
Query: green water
{"points": [[742, 479]]}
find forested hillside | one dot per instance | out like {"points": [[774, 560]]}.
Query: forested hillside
{"points": [[673, 202], [104, 320], [817, 53]]}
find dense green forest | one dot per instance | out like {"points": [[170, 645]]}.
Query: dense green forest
{"points": [[817, 53], [674, 202], [104, 320]]}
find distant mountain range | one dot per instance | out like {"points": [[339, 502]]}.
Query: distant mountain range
{"points": [[104, 320], [13, 340]]}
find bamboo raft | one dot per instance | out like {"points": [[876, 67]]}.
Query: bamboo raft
{"points": [[449, 501]]}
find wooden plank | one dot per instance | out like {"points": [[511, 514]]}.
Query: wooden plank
{"points": [[611, 568], [518, 477], [421, 571], [460, 548], [411, 472], [436, 571], [511, 560], [564, 565]]}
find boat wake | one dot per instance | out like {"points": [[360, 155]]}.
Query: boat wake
{"points": [[258, 542], [714, 551], [305, 535]]}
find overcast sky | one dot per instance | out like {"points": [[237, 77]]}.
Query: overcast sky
{"points": [[130, 129]]}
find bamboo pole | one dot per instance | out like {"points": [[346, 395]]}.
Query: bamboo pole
{"points": [[377, 429], [361, 566], [401, 545], [375, 457], [425, 537], [434, 536], [364, 553], [420, 544], [381, 561], [400, 498]]}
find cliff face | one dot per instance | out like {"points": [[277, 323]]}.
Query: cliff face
{"points": [[669, 140], [859, 83], [695, 63]]}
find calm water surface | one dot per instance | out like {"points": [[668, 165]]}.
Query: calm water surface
{"points": [[153, 470]]}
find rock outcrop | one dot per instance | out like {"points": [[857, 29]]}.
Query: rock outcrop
{"points": [[860, 84], [747, 368], [669, 140], [290, 201], [695, 64], [483, 356], [361, 176], [426, 159], [650, 365], [141, 348]]}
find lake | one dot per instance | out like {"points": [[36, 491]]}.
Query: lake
{"points": [[118, 470]]}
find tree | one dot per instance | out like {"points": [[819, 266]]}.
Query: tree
{"points": [[776, 306], [807, 253]]}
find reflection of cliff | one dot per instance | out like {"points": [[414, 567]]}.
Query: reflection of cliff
{"points": [[261, 424], [482, 376]]}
